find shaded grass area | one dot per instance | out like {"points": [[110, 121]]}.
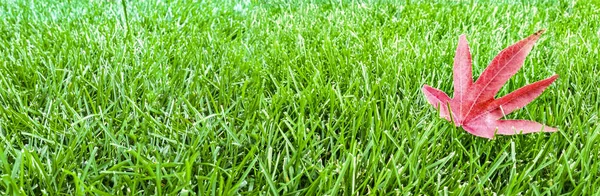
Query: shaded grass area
{"points": [[273, 98]]}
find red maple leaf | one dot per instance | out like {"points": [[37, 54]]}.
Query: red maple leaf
{"points": [[474, 107]]}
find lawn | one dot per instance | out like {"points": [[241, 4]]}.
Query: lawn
{"points": [[178, 97]]}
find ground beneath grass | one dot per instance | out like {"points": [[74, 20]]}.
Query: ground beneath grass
{"points": [[276, 98]]}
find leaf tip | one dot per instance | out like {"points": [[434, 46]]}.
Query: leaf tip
{"points": [[539, 32], [552, 78], [549, 129], [425, 87]]}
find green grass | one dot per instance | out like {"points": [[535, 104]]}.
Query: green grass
{"points": [[275, 98]]}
